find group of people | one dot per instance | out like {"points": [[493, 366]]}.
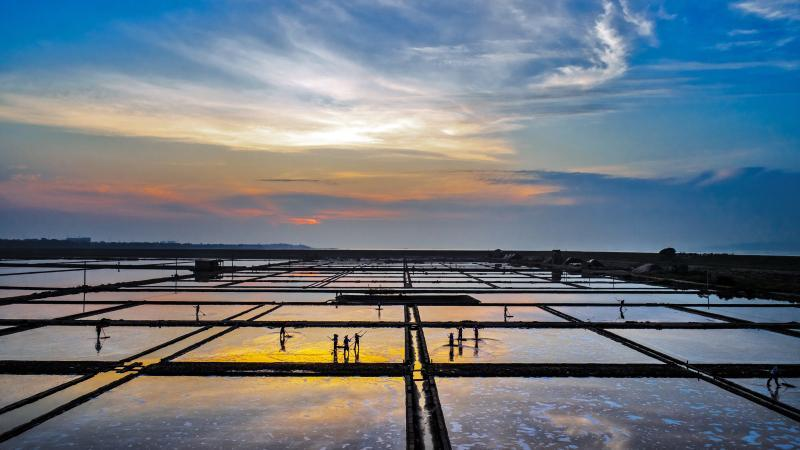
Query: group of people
{"points": [[356, 341]]}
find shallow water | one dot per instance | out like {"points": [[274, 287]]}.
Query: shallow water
{"points": [[228, 412], [636, 314], [531, 346], [485, 313], [77, 343], [304, 345], [14, 388], [340, 313], [720, 346], [605, 413]]}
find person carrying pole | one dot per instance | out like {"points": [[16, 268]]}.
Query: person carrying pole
{"points": [[357, 342], [335, 340]]}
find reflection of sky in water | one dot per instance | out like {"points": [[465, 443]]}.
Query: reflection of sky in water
{"points": [[304, 345], [605, 413], [14, 388], [786, 394], [611, 298], [327, 312], [221, 412], [78, 343], [642, 314], [46, 311], [759, 314], [5, 293], [720, 346], [531, 346], [485, 313], [172, 312]]}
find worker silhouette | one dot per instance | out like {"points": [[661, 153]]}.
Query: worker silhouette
{"points": [[773, 375], [450, 342], [357, 342], [346, 346], [100, 334], [622, 309], [475, 329], [197, 313], [460, 336], [506, 315]]}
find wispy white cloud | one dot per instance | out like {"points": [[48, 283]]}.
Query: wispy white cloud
{"points": [[770, 9], [453, 92], [607, 62]]}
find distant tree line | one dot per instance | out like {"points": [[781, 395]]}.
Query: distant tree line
{"points": [[87, 243]]}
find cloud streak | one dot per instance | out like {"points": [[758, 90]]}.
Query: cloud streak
{"points": [[287, 81]]}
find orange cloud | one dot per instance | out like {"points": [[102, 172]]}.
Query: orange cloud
{"points": [[303, 221]]}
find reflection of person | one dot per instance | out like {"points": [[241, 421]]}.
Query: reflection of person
{"points": [[774, 393], [98, 345], [283, 333], [476, 335], [450, 343], [460, 335]]}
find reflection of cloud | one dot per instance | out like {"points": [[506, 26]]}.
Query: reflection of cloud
{"points": [[606, 431]]}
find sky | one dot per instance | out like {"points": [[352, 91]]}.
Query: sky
{"points": [[592, 124]]}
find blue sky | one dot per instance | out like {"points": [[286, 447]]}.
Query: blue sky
{"points": [[609, 124]]}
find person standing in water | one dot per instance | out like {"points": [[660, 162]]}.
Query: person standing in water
{"points": [[357, 342], [773, 375], [335, 340], [346, 345]]}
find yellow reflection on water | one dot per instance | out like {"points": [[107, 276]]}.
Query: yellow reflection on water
{"points": [[308, 345]]}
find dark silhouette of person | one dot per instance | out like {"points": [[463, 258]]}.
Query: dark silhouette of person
{"points": [[451, 348], [283, 333], [335, 340], [475, 329], [773, 375], [621, 309], [346, 345], [357, 342], [460, 335], [506, 315], [98, 345], [197, 313], [450, 343]]}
